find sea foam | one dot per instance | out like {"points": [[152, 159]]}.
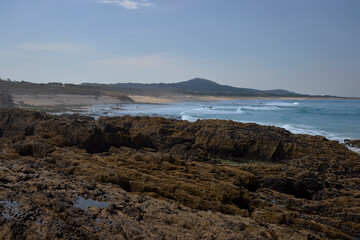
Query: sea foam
{"points": [[259, 108], [333, 119], [283, 104]]}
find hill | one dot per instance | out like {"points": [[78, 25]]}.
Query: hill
{"points": [[27, 94], [198, 86], [23, 87]]}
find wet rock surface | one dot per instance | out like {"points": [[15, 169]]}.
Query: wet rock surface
{"points": [[353, 143], [71, 177]]}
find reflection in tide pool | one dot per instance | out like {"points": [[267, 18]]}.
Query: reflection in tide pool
{"points": [[84, 204]]}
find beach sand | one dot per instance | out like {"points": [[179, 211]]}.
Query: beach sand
{"points": [[52, 100], [191, 98], [40, 100]]}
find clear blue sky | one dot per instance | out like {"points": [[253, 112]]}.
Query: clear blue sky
{"points": [[307, 46]]}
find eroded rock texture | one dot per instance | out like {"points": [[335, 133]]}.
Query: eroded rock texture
{"points": [[72, 177]]}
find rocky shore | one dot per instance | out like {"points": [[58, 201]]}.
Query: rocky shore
{"points": [[73, 177], [353, 143]]}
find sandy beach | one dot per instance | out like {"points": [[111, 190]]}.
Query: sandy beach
{"points": [[40, 100], [177, 98], [70, 100], [198, 98]]}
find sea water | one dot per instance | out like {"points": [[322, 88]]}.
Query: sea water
{"points": [[335, 119]]}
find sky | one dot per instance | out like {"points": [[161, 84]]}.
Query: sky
{"points": [[306, 46]]}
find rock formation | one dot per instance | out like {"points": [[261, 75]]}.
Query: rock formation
{"points": [[71, 177], [353, 143]]}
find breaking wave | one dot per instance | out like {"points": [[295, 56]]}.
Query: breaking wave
{"points": [[188, 118], [259, 108], [283, 104]]}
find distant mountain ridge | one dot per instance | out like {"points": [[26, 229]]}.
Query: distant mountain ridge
{"points": [[198, 86]]}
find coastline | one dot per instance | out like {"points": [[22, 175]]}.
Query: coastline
{"points": [[41, 100], [68, 100], [57, 103], [209, 98], [71, 103]]}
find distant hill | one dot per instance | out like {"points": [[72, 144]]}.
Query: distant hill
{"points": [[197, 86], [23, 87]]}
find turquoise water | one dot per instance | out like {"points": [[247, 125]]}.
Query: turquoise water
{"points": [[334, 119]]}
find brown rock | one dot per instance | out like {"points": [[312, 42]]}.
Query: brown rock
{"points": [[153, 178], [353, 143]]}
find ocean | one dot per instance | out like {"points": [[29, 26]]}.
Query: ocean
{"points": [[335, 119]]}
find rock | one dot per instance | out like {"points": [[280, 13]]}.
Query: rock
{"points": [[201, 141], [33, 148], [353, 143], [156, 178]]}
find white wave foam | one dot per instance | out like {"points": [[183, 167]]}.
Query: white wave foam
{"points": [[354, 149], [283, 104], [188, 118], [259, 108], [310, 131], [209, 111], [330, 136], [224, 107]]}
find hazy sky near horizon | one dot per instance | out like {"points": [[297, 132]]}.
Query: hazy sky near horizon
{"points": [[306, 46]]}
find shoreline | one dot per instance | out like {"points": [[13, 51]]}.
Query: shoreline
{"points": [[73, 104], [85, 111], [42, 100], [208, 98], [68, 100]]}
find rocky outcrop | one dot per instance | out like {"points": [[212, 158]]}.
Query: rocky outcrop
{"points": [[125, 99], [127, 177], [353, 143], [204, 140]]}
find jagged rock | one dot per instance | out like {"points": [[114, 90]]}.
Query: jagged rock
{"points": [[202, 140], [163, 178], [353, 143]]}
